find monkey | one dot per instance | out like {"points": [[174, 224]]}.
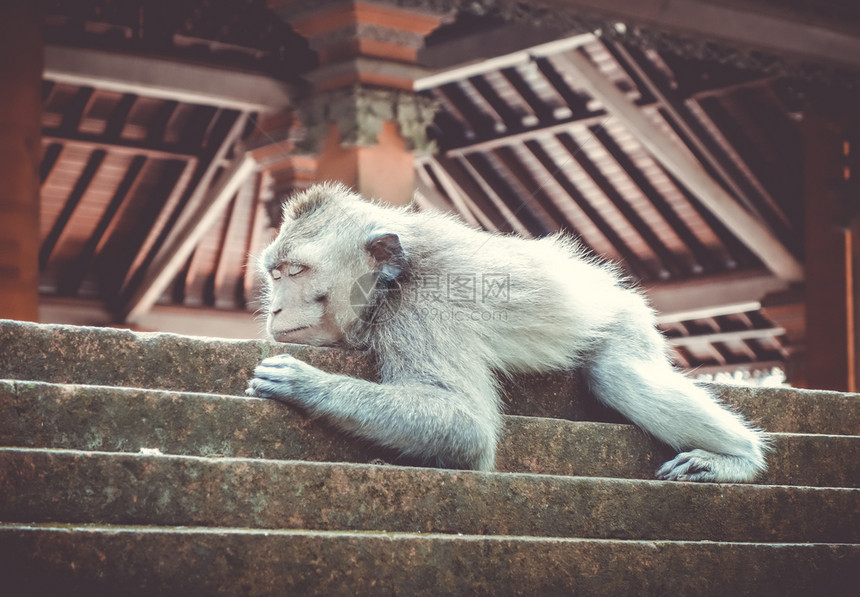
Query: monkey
{"points": [[447, 311]]}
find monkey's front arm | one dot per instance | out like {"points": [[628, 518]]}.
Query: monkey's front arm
{"points": [[427, 422]]}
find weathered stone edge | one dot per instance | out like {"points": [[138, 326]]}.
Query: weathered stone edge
{"points": [[44, 415], [115, 357], [75, 487], [69, 559]]}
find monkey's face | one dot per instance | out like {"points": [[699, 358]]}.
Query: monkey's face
{"points": [[330, 241], [299, 305], [307, 288]]}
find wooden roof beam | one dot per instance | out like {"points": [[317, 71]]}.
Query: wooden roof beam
{"points": [[427, 196], [463, 200], [204, 205], [728, 337], [59, 228], [165, 79], [117, 146], [755, 234], [490, 193], [174, 254], [539, 132], [780, 30], [675, 108], [751, 368], [73, 275], [712, 296], [517, 58]]}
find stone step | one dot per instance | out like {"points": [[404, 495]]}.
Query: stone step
{"points": [[116, 357], [111, 357], [44, 415], [120, 560], [67, 486]]}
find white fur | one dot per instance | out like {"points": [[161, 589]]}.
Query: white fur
{"points": [[439, 361]]}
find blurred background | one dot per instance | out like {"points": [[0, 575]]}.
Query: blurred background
{"points": [[708, 146]]}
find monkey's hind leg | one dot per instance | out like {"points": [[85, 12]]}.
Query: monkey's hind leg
{"points": [[717, 445]]}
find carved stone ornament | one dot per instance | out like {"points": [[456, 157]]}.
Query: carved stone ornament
{"points": [[367, 31], [359, 113], [288, 9]]}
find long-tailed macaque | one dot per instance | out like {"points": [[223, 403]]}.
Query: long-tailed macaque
{"points": [[445, 310]]}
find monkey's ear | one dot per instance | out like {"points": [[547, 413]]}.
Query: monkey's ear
{"points": [[386, 249]]}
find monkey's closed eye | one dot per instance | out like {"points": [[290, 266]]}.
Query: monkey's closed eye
{"points": [[295, 269]]}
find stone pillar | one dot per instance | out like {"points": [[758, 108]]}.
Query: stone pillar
{"points": [[21, 63], [362, 122]]}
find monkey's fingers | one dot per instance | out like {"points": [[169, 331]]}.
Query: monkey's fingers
{"points": [[277, 376], [280, 360], [261, 388], [282, 368], [687, 466], [665, 471]]}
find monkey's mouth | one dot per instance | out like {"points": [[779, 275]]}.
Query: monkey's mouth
{"points": [[283, 335]]}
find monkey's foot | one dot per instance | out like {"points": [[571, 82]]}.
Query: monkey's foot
{"points": [[701, 465]]}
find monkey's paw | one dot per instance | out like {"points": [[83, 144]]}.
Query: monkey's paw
{"points": [[687, 466], [701, 465], [284, 377]]}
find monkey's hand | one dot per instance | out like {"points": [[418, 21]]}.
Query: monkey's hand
{"points": [[286, 378]]}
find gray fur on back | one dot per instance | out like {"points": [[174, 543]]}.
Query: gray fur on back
{"points": [[463, 307]]}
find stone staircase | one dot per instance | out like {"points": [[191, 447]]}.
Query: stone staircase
{"points": [[130, 464]]}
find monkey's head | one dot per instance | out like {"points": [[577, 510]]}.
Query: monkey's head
{"points": [[331, 240]]}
